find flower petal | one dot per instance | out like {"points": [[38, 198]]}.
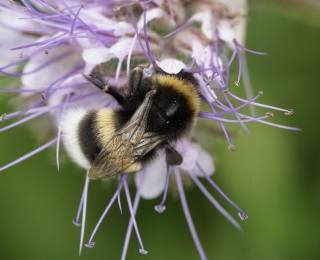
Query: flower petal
{"points": [[171, 66], [150, 15], [155, 178], [205, 161], [226, 32], [97, 55], [63, 59], [189, 152]]}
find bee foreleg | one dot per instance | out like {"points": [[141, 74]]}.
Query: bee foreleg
{"points": [[135, 79], [172, 156], [97, 78]]}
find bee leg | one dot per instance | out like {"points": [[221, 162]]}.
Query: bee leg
{"points": [[172, 156], [97, 78], [135, 78]]}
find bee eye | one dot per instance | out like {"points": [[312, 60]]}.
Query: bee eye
{"points": [[171, 110]]}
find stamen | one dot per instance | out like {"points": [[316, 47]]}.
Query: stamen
{"points": [[160, 208], [187, 214], [4, 117], [119, 199], [135, 207], [247, 85], [26, 156], [214, 202], [289, 112], [65, 103], [141, 250], [82, 22], [178, 29], [84, 211], [90, 244], [247, 50], [146, 35], [236, 114], [74, 20], [26, 119], [241, 213], [138, 35], [76, 221], [258, 104], [231, 148]]}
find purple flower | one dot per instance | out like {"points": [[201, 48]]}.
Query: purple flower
{"points": [[48, 44]]}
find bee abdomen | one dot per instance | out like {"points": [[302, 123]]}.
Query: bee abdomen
{"points": [[70, 125]]}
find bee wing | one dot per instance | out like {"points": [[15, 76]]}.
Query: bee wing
{"points": [[128, 145], [119, 154]]}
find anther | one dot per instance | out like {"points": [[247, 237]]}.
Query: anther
{"points": [[160, 208], [269, 114], [289, 112], [260, 93], [82, 5], [242, 215], [173, 22], [237, 83], [46, 51], [3, 117], [232, 148], [24, 8], [226, 91], [76, 223], [43, 96], [106, 88], [89, 245], [243, 117], [116, 8], [21, 55], [142, 251], [11, 2]]}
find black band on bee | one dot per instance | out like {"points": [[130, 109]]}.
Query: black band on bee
{"points": [[87, 133]]}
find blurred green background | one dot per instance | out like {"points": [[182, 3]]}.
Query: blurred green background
{"points": [[273, 175]]}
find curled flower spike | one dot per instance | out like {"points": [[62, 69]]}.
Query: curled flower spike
{"points": [[85, 63]]}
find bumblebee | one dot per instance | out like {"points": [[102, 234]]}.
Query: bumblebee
{"points": [[154, 112]]}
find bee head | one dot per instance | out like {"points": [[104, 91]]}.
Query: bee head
{"points": [[169, 113]]}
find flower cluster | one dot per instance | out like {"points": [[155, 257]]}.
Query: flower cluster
{"points": [[49, 44]]}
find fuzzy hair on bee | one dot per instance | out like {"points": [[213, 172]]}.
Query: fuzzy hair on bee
{"points": [[154, 113]]}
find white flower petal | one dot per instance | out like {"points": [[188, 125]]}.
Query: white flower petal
{"points": [[68, 59], [8, 40], [226, 32], [197, 51], [154, 179], [189, 152], [205, 161], [207, 25], [150, 15], [198, 17], [122, 28], [92, 16], [122, 47], [171, 66], [97, 55]]}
